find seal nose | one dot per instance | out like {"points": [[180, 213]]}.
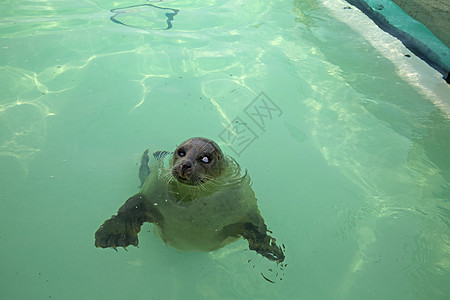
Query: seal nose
{"points": [[186, 166], [185, 170]]}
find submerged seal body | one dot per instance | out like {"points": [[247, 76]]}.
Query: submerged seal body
{"points": [[201, 201]]}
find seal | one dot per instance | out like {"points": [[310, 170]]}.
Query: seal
{"points": [[198, 200]]}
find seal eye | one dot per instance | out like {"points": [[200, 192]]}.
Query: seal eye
{"points": [[181, 153], [205, 159]]}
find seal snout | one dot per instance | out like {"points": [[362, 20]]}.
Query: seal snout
{"points": [[186, 166], [185, 171]]}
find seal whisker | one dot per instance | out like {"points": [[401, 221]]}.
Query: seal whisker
{"points": [[167, 176], [212, 181]]}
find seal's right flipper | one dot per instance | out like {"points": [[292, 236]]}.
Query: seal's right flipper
{"points": [[122, 229], [144, 169]]}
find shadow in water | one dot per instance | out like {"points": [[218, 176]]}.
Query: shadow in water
{"points": [[145, 16]]}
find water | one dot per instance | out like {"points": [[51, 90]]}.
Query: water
{"points": [[351, 172]]}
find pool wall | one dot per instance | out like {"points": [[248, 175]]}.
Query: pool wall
{"points": [[434, 14], [416, 37]]}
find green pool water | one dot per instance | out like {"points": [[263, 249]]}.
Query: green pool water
{"points": [[346, 139]]}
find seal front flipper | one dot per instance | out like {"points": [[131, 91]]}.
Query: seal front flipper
{"points": [[122, 229], [262, 243], [257, 237]]}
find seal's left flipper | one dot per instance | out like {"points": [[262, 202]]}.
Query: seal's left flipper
{"points": [[262, 243], [255, 232]]}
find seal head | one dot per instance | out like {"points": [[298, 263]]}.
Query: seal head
{"points": [[196, 161]]}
